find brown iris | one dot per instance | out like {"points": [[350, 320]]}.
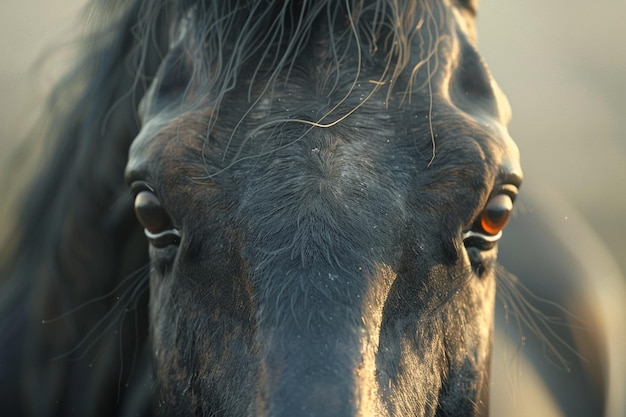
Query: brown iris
{"points": [[496, 214]]}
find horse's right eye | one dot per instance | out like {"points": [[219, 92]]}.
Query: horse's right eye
{"points": [[157, 224]]}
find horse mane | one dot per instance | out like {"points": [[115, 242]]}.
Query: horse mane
{"points": [[76, 241]]}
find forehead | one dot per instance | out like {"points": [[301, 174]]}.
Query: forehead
{"points": [[329, 108]]}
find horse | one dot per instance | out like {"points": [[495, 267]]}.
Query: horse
{"points": [[264, 208]]}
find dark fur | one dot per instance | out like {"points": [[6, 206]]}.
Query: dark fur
{"points": [[322, 159]]}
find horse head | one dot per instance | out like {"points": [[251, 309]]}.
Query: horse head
{"points": [[323, 186]]}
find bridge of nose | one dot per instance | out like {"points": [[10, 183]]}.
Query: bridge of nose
{"points": [[318, 357], [306, 377], [314, 233]]}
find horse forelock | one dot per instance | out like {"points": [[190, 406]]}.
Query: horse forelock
{"points": [[221, 39]]}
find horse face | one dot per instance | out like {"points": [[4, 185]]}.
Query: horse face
{"points": [[323, 229]]}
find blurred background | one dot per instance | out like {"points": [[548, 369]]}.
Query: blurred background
{"points": [[562, 65]]}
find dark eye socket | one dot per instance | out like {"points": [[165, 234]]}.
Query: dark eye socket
{"points": [[487, 228], [157, 224]]}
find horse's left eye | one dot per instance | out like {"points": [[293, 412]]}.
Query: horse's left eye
{"points": [[157, 224], [496, 214], [487, 229]]}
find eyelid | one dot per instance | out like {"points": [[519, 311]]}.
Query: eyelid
{"points": [[138, 186], [156, 236], [483, 236], [509, 189]]}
